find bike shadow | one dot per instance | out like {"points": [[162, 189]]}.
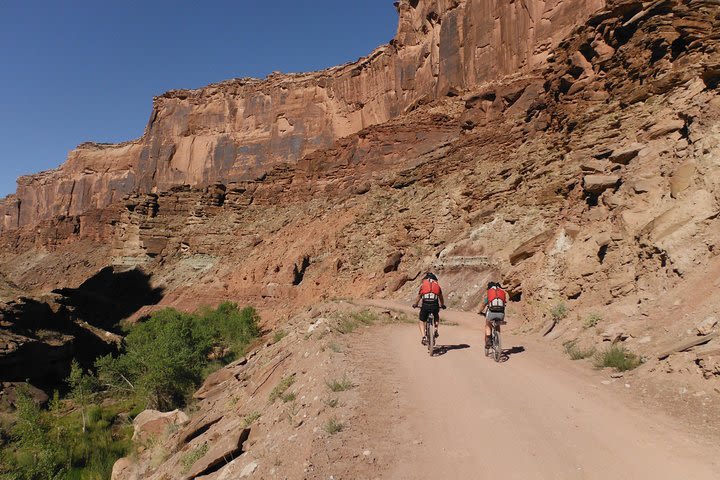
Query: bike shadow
{"points": [[443, 349], [507, 353]]}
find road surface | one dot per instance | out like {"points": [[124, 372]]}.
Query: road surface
{"points": [[535, 416]]}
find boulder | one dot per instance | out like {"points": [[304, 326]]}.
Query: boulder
{"points": [[664, 127], [220, 448], [707, 326], [125, 469], [625, 154], [681, 178], [594, 166], [152, 423], [530, 247], [596, 184]]}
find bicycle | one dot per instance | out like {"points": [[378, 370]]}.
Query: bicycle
{"points": [[430, 332], [495, 347]]}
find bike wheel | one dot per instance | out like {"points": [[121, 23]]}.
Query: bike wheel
{"points": [[497, 347], [430, 332]]}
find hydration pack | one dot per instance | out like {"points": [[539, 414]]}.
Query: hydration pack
{"points": [[429, 290], [496, 299]]}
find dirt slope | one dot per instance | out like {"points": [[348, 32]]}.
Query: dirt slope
{"points": [[533, 416]]}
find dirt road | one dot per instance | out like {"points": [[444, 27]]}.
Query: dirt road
{"points": [[535, 416]]}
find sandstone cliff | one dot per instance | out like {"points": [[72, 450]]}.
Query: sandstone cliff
{"points": [[239, 128], [589, 181]]}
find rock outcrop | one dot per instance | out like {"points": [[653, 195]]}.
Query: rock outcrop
{"points": [[239, 128]]}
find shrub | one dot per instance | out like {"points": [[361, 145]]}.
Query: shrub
{"points": [[577, 353], [280, 388], [193, 456], [51, 446], [332, 402], [339, 384], [166, 357], [592, 320], [558, 311], [618, 357], [251, 418], [349, 322], [279, 335], [333, 426]]}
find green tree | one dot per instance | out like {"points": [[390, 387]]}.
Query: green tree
{"points": [[82, 387], [39, 456]]}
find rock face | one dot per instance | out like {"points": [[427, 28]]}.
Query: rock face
{"points": [[239, 128], [592, 180]]}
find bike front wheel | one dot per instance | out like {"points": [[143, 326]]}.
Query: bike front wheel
{"points": [[497, 347]]}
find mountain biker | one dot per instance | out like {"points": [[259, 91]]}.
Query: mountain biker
{"points": [[432, 301], [493, 307]]}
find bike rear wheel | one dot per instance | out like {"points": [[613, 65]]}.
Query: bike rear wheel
{"points": [[497, 347], [430, 334]]}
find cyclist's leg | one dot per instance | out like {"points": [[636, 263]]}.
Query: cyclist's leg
{"points": [[488, 331], [423, 317], [436, 311]]}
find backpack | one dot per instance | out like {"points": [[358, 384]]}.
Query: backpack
{"points": [[429, 290], [496, 299]]}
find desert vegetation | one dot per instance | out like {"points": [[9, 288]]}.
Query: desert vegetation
{"points": [[81, 434]]}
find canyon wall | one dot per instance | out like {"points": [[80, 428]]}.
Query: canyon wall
{"points": [[237, 129]]}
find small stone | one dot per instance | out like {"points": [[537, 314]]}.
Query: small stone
{"points": [[617, 375], [367, 452], [606, 382], [627, 385]]}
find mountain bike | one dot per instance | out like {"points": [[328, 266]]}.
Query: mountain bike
{"points": [[430, 332], [495, 347]]}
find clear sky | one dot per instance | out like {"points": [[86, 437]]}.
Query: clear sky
{"points": [[75, 71]]}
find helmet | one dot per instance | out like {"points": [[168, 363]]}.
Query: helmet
{"points": [[430, 276]]}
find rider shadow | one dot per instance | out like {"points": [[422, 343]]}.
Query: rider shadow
{"points": [[443, 349], [511, 351]]}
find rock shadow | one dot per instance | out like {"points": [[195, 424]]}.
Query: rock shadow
{"points": [[110, 296]]}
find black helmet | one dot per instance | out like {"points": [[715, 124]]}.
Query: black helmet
{"points": [[430, 276]]}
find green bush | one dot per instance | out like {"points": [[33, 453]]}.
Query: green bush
{"points": [[339, 384], [166, 357], [558, 311], [279, 335], [333, 426], [618, 357], [280, 388], [47, 445], [577, 353], [592, 320], [163, 362], [347, 323]]}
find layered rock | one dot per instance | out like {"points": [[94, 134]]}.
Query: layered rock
{"points": [[236, 129]]}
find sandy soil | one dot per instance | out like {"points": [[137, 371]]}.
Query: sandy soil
{"points": [[534, 416]]}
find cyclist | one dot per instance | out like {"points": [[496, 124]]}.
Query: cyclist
{"points": [[493, 307], [432, 301]]}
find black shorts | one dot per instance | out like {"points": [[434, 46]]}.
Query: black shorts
{"points": [[427, 309]]}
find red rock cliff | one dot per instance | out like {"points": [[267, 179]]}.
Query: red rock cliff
{"points": [[235, 129]]}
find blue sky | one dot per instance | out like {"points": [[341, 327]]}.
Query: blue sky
{"points": [[76, 71]]}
